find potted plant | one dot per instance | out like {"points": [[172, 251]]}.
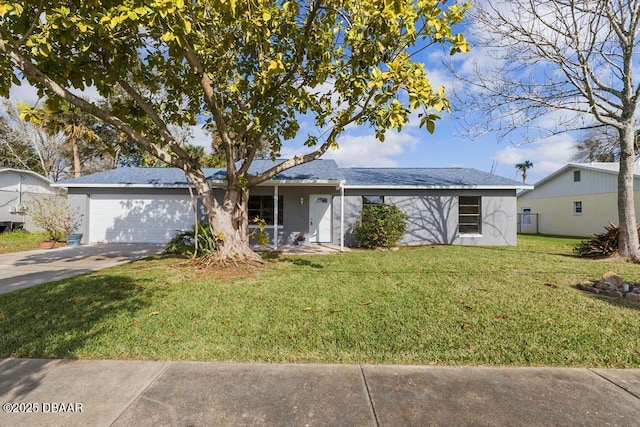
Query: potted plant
{"points": [[300, 239], [71, 224], [53, 215]]}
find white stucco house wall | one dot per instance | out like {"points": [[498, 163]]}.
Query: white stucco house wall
{"points": [[16, 188], [318, 199], [579, 199]]}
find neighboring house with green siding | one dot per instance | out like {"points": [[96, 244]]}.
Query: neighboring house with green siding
{"points": [[579, 199]]}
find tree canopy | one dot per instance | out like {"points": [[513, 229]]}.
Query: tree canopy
{"points": [[246, 70]]}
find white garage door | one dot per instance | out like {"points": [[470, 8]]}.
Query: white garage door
{"points": [[138, 218]]}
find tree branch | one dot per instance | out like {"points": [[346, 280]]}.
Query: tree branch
{"points": [[29, 70]]}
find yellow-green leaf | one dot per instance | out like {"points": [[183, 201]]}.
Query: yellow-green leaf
{"points": [[44, 50], [431, 126]]}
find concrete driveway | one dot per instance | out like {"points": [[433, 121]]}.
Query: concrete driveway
{"points": [[24, 269]]}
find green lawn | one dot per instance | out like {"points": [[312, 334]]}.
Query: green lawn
{"points": [[452, 305], [19, 240]]}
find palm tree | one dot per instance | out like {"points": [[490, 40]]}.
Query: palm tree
{"points": [[523, 167], [77, 127]]}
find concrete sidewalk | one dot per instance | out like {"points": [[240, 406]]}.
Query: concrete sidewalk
{"points": [[128, 393], [20, 270]]}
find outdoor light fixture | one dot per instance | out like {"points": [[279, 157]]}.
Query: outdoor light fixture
{"points": [[301, 201]]}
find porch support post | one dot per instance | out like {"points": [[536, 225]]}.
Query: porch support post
{"points": [[275, 217], [341, 216]]}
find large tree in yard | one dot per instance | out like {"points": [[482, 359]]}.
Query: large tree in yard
{"points": [[563, 65], [249, 69]]}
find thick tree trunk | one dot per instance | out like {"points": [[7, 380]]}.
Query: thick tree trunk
{"points": [[234, 243], [628, 245]]}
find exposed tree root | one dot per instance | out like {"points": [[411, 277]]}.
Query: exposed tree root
{"points": [[230, 254]]}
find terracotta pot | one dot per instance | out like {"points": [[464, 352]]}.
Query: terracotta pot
{"points": [[49, 244]]}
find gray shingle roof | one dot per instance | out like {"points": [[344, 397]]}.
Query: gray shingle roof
{"points": [[425, 177], [324, 170], [319, 170]]}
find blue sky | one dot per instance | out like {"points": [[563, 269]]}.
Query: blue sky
{"points": [[447, 147]]}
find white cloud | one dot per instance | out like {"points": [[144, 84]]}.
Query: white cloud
{"points": [[547, 156], [364, 150], [24, 93], [367, 151], [89, 93], [201, 137], [28, 94]]}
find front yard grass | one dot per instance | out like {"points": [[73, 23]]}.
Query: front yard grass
{"points": [[508, 306], [19, 240]]}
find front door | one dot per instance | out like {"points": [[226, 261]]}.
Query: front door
{"points": [[320, 218]]}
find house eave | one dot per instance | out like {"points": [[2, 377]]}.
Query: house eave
{"points": [[28, 172], [302, 182], [94, 185], [435, 187], [583, 166], [214, 183]]}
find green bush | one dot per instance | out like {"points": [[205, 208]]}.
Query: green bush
{"points": [[185, 241], [380, 226]]}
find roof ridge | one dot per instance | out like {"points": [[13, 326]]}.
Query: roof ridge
{"points": [[406, 168]]}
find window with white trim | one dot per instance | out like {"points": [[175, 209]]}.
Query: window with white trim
{"points": [[526, 216], [577, 208], [576, 176], [469, 214]]}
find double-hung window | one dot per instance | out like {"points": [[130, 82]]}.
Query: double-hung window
{"points": [[577, 208]]}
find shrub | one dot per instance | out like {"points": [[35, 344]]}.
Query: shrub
{"points": [[53, 215], [185, 241], [380, 226]]}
